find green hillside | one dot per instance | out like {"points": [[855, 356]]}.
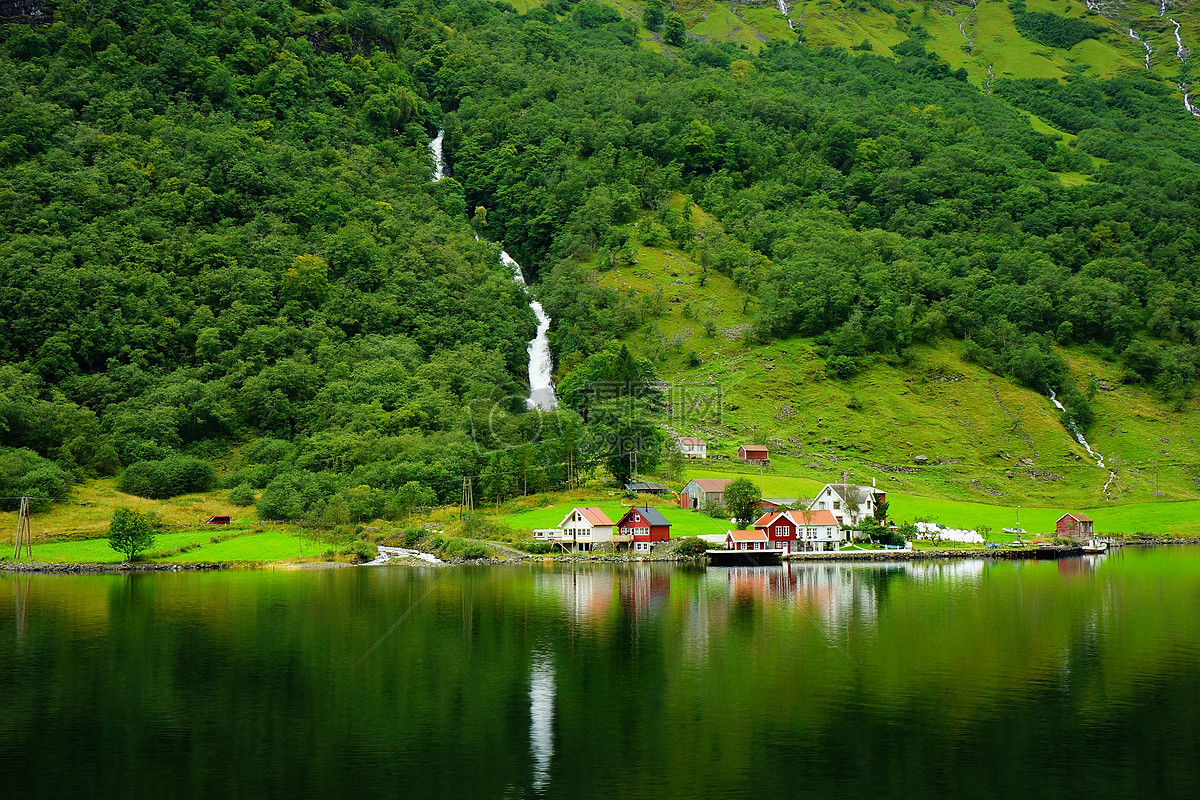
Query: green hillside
{"points": [[225, 266]]}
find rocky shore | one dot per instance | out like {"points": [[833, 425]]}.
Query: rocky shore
{"points": [[75, 569]]}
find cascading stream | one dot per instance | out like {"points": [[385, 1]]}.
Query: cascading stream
{"points": [[1112, 474], [1133, 35], [541, 363], [785, 9]]}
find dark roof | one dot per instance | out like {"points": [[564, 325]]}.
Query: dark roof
{"points": [[647, 487], [651, 515], [867, 491], [1077, 517]]}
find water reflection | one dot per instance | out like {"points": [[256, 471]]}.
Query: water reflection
{"points": [[641, 680], [541, 718]]}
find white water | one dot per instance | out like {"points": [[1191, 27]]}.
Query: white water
{"points": [[785, 8], [1112, 474], [387, 554], [991, 78], [970, 41], [541, 365], [1133, 35], [1180, 52], [439, 161], [541, 719], [1187, 100], [1162, 7]]}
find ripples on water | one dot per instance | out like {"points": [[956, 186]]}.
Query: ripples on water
{"points": [[926, 679]]}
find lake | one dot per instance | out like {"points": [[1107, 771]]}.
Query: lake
{"points": [[1076, 678]]}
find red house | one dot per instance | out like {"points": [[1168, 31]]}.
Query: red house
{"points": [[645, 526], [800, 531], [1074, 526]]}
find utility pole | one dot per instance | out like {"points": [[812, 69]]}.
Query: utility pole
{"points": [[23, 537], [467, 504]]}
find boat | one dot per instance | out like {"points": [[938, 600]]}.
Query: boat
{"points": [[1016, 531], [1094, 546]]}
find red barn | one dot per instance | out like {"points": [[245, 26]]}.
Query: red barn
{"points": [[754, 454], [645, 526], [1074, 526]]}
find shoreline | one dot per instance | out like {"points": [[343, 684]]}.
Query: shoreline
{"points": [[1006, 554]]}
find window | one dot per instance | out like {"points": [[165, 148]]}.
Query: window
{"points": [[837, 505], [636, 518]]}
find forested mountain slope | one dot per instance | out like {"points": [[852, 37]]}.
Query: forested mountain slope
{"points": [[219, 230]]}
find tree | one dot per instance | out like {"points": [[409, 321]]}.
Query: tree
{"points": [[741, 500], [653, 16], [881, 510], [132, 532], [674, 31]]}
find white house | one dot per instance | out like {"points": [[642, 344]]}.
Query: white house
{"points": [[692, 447], [849, 503], [583, 529]]}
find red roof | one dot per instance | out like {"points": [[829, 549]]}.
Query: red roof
{"points": [[822, 517], [593, 515], [691, 440], [747, 536], [754, 449], [797, 518], [1078, 517]]}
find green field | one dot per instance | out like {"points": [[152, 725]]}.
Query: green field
{"points": [[266, 546]]}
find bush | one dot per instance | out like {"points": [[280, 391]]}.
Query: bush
{"points": [[132, 532], [243, 495], [537, 548], [716, 511], [363, 551], [448, 548], [170, 477], [412, 537], [25, 473], [691, 547]]}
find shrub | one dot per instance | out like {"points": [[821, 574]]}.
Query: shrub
{"points": [[448, 548], [363, 551], [716, 511], [170, 477], [25, 473], [412, 537], [691, 547], [242, 495], [537, 548]]}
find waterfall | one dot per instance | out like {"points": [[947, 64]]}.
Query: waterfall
{"points": [[1162, 7], [439, 161], [541, 365], [991, 77], [1180, 52], [1112, 474], [1133, 35], [785, 8]]}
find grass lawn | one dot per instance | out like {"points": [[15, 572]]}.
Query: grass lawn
{"points": [[266, 546]]}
